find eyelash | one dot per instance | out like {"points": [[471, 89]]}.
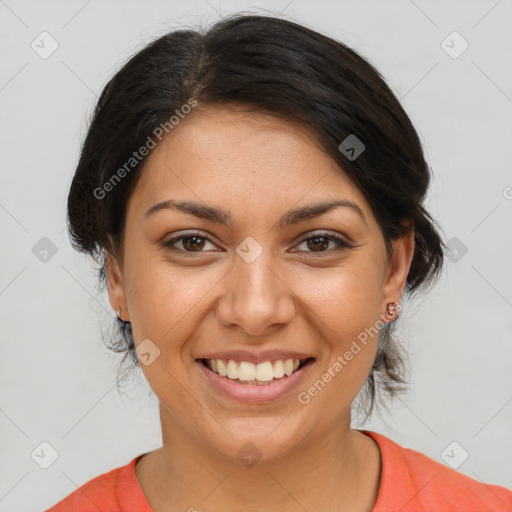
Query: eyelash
{"points": [[341, 243]]}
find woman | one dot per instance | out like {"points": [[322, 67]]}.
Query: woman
{"points": [[254, 196]]}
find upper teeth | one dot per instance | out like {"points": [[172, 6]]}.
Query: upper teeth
{"points": [[244, 370]]}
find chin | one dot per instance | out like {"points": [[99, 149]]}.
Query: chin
{"points": [[253, 439]]}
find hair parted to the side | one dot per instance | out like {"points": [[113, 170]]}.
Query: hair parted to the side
{"points": [[282, 68]]}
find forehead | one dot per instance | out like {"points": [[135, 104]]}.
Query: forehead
{"points": [[226, 155], [231, 136]]}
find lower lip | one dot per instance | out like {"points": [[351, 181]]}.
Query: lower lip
{"points": [[254, 393]]}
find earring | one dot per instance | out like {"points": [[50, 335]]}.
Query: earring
{"points": [[392, 308]]}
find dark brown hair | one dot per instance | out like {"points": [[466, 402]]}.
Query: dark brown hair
{"points": [[284, 69]]}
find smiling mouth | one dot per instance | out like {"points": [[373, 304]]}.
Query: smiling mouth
{"points": [[262, 374]]}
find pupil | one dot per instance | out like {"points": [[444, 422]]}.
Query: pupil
{"points": [[195, 245], [321, 245]]}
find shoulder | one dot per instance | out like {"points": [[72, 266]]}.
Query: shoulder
{"points": [[412, 482], [108, 491]]}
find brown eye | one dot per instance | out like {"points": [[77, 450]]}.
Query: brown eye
{"points": [[192, 243], [319, 243]]}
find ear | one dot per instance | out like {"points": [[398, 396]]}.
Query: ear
{"points": [[116, 289], [398, 268]]}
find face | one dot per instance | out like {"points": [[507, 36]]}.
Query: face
{"points": [[244, 270]]}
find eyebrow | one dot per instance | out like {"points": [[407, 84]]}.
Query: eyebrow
{"points": [[220, 216]]}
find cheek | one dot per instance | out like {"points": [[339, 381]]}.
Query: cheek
{"points": [[164, 299], [345, 300], [164, 305], [345, 310]]}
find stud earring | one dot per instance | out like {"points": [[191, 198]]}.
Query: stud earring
{"points": [[392, 308]]}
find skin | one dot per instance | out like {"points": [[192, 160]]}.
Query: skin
{"points": [[293, 296]]}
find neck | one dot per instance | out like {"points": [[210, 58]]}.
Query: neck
{"points": [[339, 469]]}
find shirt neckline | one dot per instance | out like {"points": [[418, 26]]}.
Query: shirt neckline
{"points": [[132, 497]]}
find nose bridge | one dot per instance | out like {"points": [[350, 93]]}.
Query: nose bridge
{"points": [[256, 298], [256, 278], [252, 264]]}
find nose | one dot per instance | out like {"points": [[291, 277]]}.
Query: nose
{"points": [[256, 299]]}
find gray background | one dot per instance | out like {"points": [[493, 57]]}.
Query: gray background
{"points": [[57, 381]]}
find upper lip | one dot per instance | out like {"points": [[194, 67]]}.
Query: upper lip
{"points": [[255, 357]]}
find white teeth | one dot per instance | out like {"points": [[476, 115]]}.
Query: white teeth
{"points": [[221, 367], [264, 371], [246, 371], [278, 369], [232, 370]]}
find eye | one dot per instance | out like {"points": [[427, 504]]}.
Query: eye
{"points": [[195, 243], [320, 241], [191, 242]]}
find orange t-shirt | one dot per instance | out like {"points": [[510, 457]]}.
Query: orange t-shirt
{"points": [[410, 482]]}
